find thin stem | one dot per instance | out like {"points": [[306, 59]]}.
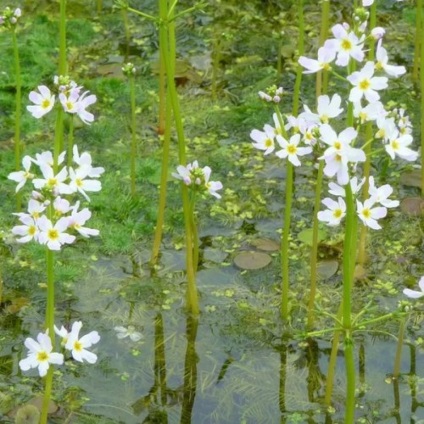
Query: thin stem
{"points": [[168, 47], [58, 137], [70, 139], [398, 357], [194, 233], [99, 6], [301, 49], [349, 253], [142, 14], [127, 33], [421, 61], [350, 376], [285, 242], [163, 186], [314, 250], [62, 40], [325, 21], [47, 395], [133, 134], [18, 111], [418, 41]]}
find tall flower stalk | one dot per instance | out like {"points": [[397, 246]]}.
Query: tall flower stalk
{"points": [[129, 70]]}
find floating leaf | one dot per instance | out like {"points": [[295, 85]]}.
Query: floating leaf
{"points": [[413, 206], [252, 260], [214, 255], [265, 244], [327, 269], [411, 179], [306, 236]]}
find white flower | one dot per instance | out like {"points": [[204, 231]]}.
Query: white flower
{"points": [[52, 182], [21, 177], [61, 206], [398, 145], [78, 346], [122, 333], [371, 112], [84, 160], [369, 214], [46, 158], [211, 186], [382, 62], [264, 140], [80, 183], [44, 102], [40, 355], [365, 84], [78, 219], [346, 44], [335, 212], [83, 102], [377, 33], [54, 236], [337, 190], [327, 108], [414, 294], [29, 231], [366, 3], [290, 149], [381, 194], [325, 57]]}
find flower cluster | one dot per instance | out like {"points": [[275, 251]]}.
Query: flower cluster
{"points": [[49, 215], [40, 353], [272, 94], [9, 18], [369, 212], [129, 69], [198, 178], [71, 96]]}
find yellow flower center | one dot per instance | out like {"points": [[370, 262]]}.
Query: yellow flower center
{"points": [[79, 182], [366, 213], [364, 84], [291, 149], [346, 44], [324, 119], [337, 213], [51, 182], [395, 144], [32, 229], [269, 142], [45, 104], [78, 346], [42, 356], [69, 105], [53, 234], [337, 145], [379, 66]]}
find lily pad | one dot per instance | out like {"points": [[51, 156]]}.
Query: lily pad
{"points": [[214, 255], [413, 206], [252, 260], [266, 245], [326, 269], [411, 179], [306, 236]]}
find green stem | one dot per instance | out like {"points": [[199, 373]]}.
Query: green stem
{"points": [[421, 61], [398, 357], [133, 134], [325, 22], [418, 41], [58, 137], [162, 90], [301, 50], [163, 186], [285, 243], [350, 374], [331, 372], [18, 112], [349, 253], [194, 233], [62, 40], [362, 253], [216, 57], [99, 6], [47, 395], [168, 49], [70, 139], [142, 14], [314, 250], [127, 33]]}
